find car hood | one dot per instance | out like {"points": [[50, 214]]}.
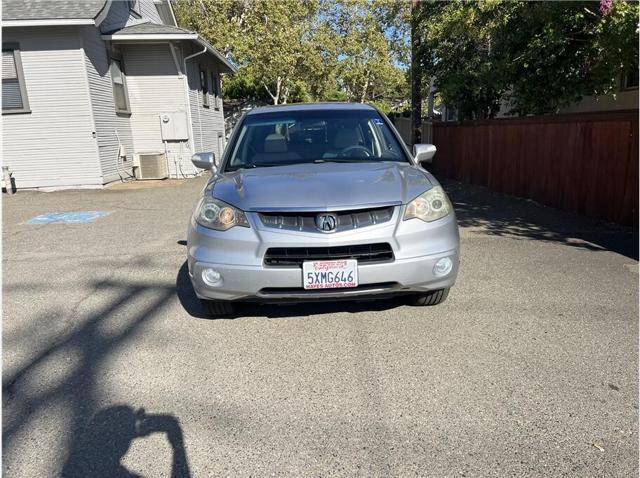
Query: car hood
{"points": [[320, 186]]}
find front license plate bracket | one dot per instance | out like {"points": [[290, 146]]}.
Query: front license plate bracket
{"points": [[334, 274]]}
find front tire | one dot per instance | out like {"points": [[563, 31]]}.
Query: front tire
{"points": [[433, 297], [218, 308]]}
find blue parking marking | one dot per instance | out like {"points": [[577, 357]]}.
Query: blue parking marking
{"points": [[73, 217]]}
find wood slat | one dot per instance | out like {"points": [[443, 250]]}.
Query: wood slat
{"points": [[586, 163]]}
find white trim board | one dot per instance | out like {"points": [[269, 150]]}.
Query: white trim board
{"points": [[52, 22], [154, 36]]}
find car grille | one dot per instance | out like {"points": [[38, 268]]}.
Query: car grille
{"points": [[305, 221], [295, 256]]}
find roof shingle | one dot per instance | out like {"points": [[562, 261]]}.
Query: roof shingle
{"points": [[151, 29], [50, 9]]}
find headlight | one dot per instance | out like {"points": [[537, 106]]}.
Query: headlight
{"points": [[429, 206], [219, 215]]}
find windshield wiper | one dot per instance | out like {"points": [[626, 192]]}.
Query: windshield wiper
{"points": [[315, 161], [267, 165], [342, 160], [249, 166]]}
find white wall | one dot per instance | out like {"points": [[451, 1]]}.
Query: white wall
{"points": [[623, 100], [207, 122], [155, 88], [54, 144], [112, 129]]}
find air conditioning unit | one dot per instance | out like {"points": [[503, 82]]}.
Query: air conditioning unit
{"points": [[151, 165]]}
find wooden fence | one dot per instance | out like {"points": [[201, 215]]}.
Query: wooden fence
{"points": [[586, 163], [403, 125]]}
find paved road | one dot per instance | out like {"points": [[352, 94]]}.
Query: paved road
{"points": [[529, 368]]}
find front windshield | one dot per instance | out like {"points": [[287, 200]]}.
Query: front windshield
{"points": [[293, 137]]}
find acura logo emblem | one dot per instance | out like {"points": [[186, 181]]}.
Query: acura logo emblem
{"points": [[326, 222]]}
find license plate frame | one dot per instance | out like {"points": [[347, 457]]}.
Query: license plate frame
{"points": [[319, 275]]}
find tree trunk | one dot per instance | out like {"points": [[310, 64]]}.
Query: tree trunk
{"points": [[416, 77], [274, 97], [430, 100], [363, 97]]}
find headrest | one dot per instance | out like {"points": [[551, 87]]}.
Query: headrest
{"points": [[345, 138], [275, 143]]}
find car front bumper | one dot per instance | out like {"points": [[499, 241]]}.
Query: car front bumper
{"points": [[238, 255]]}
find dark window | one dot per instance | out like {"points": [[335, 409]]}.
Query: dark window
{"points": [[14, 92], [119, 80], [215, 87], [630, 79], [204, 88]]}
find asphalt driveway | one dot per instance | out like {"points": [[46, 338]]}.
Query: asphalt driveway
{"points": [[529, 368]]}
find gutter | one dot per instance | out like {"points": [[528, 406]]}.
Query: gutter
{"points": [[186, 85], [187, 102], [232, 68]]}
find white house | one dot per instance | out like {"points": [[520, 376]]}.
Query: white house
{"points": [[98, 90]]}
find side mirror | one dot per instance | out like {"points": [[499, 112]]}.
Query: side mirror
{"points": [[204, 161], [423, 153]]}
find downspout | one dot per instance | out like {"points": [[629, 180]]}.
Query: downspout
{"points": [[184, 63]]}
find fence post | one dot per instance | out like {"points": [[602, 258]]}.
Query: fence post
{"points": [[427, 132]]}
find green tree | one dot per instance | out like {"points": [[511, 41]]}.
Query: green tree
{"points": [[534, 57], [306, 50], [369, 55], [268, 39]]}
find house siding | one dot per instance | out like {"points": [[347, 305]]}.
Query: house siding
{"points": [[156, 88], [148, 10], [120, 16], [622, 100], [112, 130], [207, 123], [54, 144]]}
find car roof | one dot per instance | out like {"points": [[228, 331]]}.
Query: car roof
{"points": [[330, 106]]}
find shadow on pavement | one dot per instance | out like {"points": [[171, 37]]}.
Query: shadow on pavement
{"points": [[305, 309], [97, 450], [91, 339], [187, 295], [498, 214]]}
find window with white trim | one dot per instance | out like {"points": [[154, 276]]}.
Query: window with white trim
{"points": [[204, 88], [119, 82], [630, 79], [215, 88], [14, 91]]}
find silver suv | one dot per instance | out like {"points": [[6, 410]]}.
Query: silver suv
{"points": [[320, 202]]}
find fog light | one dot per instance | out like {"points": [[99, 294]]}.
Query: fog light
{"points": [[211, 277], [443, 267]]}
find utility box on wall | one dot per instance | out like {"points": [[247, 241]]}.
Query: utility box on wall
{"points": [[173, 126]]}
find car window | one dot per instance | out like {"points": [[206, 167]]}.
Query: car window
{"points": [[275, 139]]}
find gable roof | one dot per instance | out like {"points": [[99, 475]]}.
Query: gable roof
{"points": [[154, 32], [51, 10], [150, 29]]}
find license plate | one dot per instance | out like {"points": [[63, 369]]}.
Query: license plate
{"points": [[330, 274]]}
